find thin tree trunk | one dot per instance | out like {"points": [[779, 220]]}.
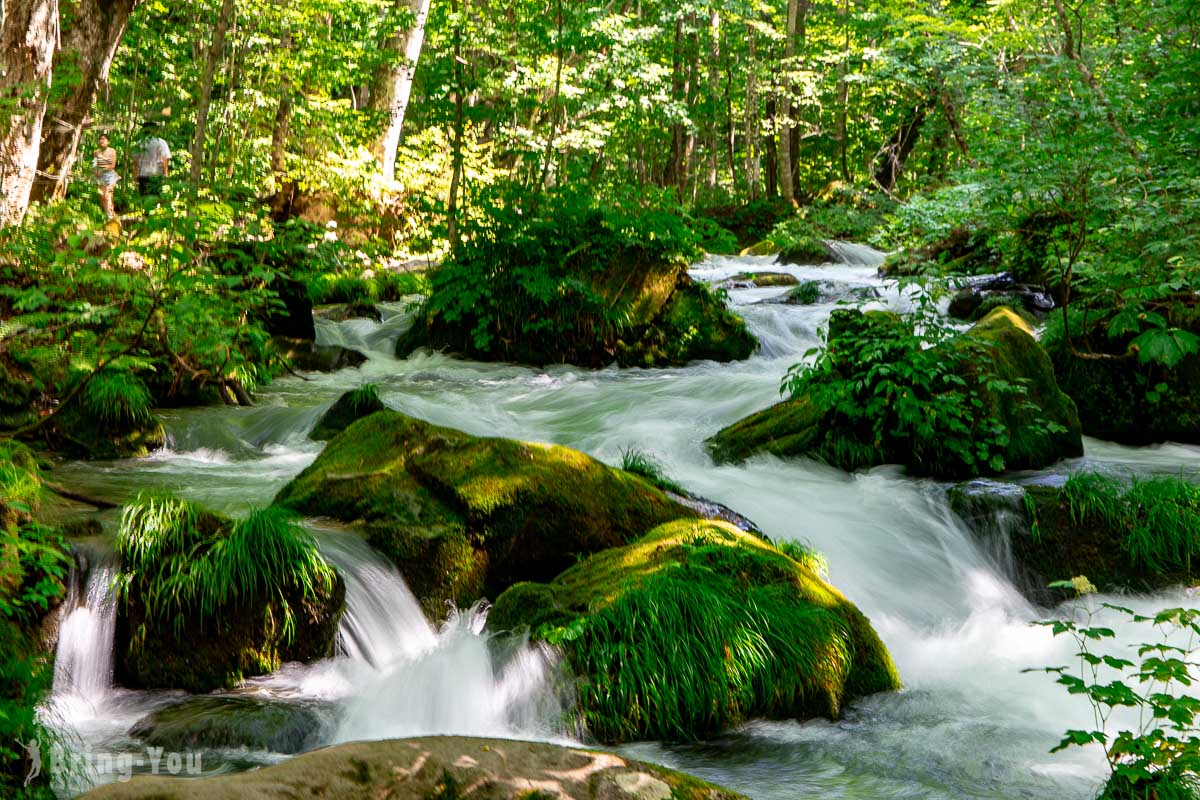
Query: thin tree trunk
{"points": [[393, 84], [772, 170], [28, 38], [843, 95], [691, 92], [88, 43], [279, 134], [675, 160], [214, 56], [714, 88], [891, 157], [785, 104], [456, 156], [750, 118]]}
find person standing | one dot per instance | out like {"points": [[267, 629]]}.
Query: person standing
{"points": [[104, 173], [153, 162]]}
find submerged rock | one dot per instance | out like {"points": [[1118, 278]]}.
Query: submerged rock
{"points": [[233, 721], [739, 630], [350, 407], [1042, 425], [464, 516], [438, 768]]}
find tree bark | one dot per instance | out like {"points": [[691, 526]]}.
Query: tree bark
{"points": [[456, 154], [750, 118], [785, 104], [891, 157], [214, 56], [28, 38], [89, 41], [393, 84]]}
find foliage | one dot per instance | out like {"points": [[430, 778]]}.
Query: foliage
{"points": [[183, 564], [365, 397], [117, 397], [1159, 758], [889, 382], [643, 464], [532, 270], [1160, 516]]}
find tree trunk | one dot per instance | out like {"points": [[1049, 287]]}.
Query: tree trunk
{"points": [[891, 157], [214, 56], [456, 155], [279, 134], [750, 118], [772, 170], [394, 81], [714, 88], [88, 43], [785, 104], [28, 39]]}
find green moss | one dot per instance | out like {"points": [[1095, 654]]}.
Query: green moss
{"points": [[463, 516], [698, 626], [805, 250], [804, 294], [351, 406], [766, 247], [790, 428], [693, 326], [768, 278]]}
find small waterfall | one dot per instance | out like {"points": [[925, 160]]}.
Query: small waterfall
{"points": [[367, 335], [856, 254], [83, 664]]}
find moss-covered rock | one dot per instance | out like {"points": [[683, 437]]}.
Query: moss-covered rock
{"points": [[1123, 400], [698, 626], [207, 602], [805, 250], [307, 356], [765, 247], [1042, 424], [81, 434], [766, 279], [434, 768], [1044, 533], [231, 721], [465, 517], [350, 407], [665, 319]]}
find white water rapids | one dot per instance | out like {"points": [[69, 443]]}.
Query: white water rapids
{"points": [[969, 723]]}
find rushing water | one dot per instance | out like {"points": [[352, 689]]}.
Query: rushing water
{"points": [[970, 722]]}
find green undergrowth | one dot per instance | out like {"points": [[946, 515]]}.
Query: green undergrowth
{"points": [[645, 465], [185, 564], [1159, 517], [696, 627]]}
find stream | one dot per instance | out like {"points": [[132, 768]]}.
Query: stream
{"points": [[969, 722]]}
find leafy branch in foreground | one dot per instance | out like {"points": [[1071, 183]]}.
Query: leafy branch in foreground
{"points": [[1158, 758]]}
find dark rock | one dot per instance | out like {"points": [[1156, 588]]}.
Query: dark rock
{"points": [[305, 356], [977, 299], [234, 721], [346, 311], [295, 319], [347, 409]]}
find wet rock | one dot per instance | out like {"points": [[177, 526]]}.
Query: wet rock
{"points": [[234, 721], [295, 319], [464, 517], [977, 299], [307, 356], [807, 250], [347, 409], [762, 279], [346, 311], [445, 767], [698, 579]]}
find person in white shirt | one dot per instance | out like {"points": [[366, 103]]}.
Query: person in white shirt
{"points": [[153, 162]]}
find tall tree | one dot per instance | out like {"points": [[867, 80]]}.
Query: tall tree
{"points": [[220, 28], [28, 38], [92, 30], [393, 83]]}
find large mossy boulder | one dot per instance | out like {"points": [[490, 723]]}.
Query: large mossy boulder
{"points": [[999, 353], [696, 627], [207, 601], [1121, 398], [572, 282], [221, 722], [1138, 537], [464, 517], [434, 768]]}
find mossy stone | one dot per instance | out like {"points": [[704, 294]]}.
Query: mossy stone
{"points": [[464, 516], [83, 435], [709, 588], [766, 247], [767, 279], [230, 721], [805, 250], [348, 408], [693, 326]]}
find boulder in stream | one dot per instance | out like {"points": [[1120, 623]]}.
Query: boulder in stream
{"points": [[1042, 424], [464, 517], [208, 601], [307, 356], [762, 280], [740, 629], [351, 406], [438, 768], [227, 721]]}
